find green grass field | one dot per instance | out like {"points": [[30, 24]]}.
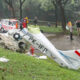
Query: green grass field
{"points": [[51, 29], [57, 30], [23, 67]]}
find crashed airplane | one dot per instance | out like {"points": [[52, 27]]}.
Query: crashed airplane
{"points": [[32, 34], [69, 59]]}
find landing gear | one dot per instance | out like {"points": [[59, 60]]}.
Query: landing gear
{"points": [[16, 36], [22, 45]]}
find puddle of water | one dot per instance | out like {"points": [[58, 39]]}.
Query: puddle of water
{"points": [[63, 42]]}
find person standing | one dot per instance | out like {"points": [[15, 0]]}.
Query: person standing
{"points": [[78, 27], [23, 23], [26, 21], [49, 25], [35, 21], [16, 25], [69, 24]]}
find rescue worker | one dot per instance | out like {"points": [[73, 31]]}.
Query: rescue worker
{"points": [[69, 24], [16, 25], [21, 21], [78, 27], [24, 24], [35, 21], [26, 21]]}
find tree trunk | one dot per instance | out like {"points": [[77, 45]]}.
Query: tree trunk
{"points": [[10, 7], [12, 11], [56, 15], [55, 5], [63, 19], [20, 9]]}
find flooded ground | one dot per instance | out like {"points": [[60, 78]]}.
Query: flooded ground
{"points": [[63, 42]]}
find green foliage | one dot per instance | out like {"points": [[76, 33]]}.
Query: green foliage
{"points": [[72, 1], [46, 5], [31, 3], [42, 8]]}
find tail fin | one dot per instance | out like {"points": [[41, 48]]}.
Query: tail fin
{"points": [[74, 63]]}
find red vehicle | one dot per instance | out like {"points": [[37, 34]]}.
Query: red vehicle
{"points": [[8, 24]]}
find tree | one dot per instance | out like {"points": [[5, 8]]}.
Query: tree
{"points": [[57, 4], [10, 6], [62, 4], [56, 8], [1, 9], [21, 4]]}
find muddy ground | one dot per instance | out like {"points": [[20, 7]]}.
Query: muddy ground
{"points": [[63, 42]]}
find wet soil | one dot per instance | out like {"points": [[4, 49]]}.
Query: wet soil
{"points": [[63, 42]]}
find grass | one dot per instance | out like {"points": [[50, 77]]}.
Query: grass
{"points": [[23, 67], [57, 30], [51, 29]]}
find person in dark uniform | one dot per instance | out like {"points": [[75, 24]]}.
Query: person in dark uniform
{"points": [[21, 21], [35, 21], [69, 24], [78, 27]]}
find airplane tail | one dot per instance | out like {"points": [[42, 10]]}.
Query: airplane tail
{"points": [[73, 61]]}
